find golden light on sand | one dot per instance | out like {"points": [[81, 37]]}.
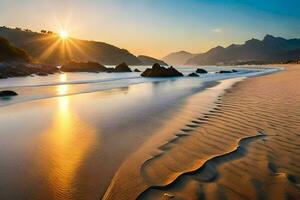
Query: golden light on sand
{"points": [[63, 34], [62, 89]]}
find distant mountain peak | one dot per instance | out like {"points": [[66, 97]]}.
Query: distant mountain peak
{"points": [[271, 38], [216, 49], [252, 41], [178, 58], [267, 37], [184, 52]]}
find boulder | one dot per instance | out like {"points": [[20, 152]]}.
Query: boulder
{"points": [[193, 75], [227, 71], [136, 70], [41, 74], [110, 70], [224, 72], [123, 67], [159, 71], [83, 67], [201, 71], [8, 93]]}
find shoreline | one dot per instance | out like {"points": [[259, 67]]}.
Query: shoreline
{"points": [[114, 192], [71, 87], [170, 132], [145, 115], [80, 138]]}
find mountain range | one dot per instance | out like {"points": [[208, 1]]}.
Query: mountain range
{"points": [[269, 50], [47, 47]]}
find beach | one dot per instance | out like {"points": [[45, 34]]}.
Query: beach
{"points": [[230, 136], [244, 147]]}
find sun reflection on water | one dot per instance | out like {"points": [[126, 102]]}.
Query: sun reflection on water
{"points": [[62, 89], [63, 77], [66, 144]]}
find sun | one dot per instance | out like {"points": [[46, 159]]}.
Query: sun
{"points": [[63, 34]]}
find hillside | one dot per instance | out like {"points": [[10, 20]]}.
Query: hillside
{"points": [[10, 53], [178, 58], [49, 48], [269, 50], [147, 60]]}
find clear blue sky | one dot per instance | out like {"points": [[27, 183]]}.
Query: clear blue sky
{"points": [[158, 27]]}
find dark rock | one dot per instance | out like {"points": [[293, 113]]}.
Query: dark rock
{"points": [[24, 69], [123, 67], [110, 70], [42, 74], [224, 72], [227, 71], [193, 74], [159, 71], [83, 67], [201, 71], [7, 93], [136, 70]]}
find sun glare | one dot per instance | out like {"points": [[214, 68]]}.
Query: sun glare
{"points": [[63, 34]]}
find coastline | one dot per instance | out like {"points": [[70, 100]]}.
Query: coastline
{"points": [[145, 115], [179, 126], [231, 124], [70, 146]]}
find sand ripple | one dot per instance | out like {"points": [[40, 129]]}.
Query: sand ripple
{"points": [[247, 147]]}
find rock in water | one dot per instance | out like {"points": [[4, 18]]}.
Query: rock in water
{"points": [[201, 71], [136, 70], [83, 67], [225, 72], [193, 74], [159, 71], [8, 93], [123, 67]]}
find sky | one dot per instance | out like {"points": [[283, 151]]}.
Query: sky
{"points": [[158, 27]]}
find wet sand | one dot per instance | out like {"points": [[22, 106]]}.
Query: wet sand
{"points": [[69, 147], [245, 145]]}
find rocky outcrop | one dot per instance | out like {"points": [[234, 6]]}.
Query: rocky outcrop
{"points": [[123, 67], [8, 70], [193, 74], [159, 71], [8, 93], [83, 67], [201, 71]]}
